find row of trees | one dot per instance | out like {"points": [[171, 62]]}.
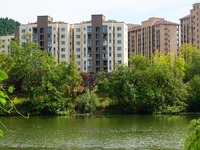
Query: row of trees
{"points": [[7, 26], [167, 84]]}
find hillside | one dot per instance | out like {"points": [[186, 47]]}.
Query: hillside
{"points": [[7, 26]]}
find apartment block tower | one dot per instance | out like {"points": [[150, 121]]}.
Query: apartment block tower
{"points": [[55, 37], [5, 41], [190, 26], [154, 34], [99, 44]]}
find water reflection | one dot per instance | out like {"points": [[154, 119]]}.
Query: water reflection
{"points": [[146, 132]]}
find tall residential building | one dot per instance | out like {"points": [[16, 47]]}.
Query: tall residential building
{"points": [[5, 41], [154, 34], [99, 44], [190, 26], [55, 37]]}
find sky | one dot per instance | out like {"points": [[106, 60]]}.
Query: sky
{"points": [[76, 11]]}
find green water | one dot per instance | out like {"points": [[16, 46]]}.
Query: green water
{"points": [[147, 132]]}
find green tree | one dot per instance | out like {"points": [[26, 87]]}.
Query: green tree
{"points": [[192, 141], [7, 26]]}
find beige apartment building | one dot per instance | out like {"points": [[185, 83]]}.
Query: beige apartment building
{"points": [[5, 41], [190, 26], [55, 37], [99, 44], [154, 34]]}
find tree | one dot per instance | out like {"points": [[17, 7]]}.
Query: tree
{"points": [[6, 100], [7, 26], [192, 141]]}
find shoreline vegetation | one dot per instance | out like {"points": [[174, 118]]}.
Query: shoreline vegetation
{"points": [[167, 84]]}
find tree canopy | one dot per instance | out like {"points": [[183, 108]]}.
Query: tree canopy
{"points": [[7, 26]]}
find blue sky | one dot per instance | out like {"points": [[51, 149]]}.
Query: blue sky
{"points": [[75, 11]]}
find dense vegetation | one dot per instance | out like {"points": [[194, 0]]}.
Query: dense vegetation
{"points": [[167, 84], [192, 141], [7, 26]]}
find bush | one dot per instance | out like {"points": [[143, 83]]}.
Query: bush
{"points": [[87, 103], [192, 141]]}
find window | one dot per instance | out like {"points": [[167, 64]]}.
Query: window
{"points": [[105, 29], [23, 37], [119, 35], [63, 29], [119, 42], [78, 36], [98, 63], [49, 43], [78, 43], [97, 29], [3, 46], [105, 43], [62, 42], [78, 30], [78, 56], [119, 48], [119, 55], [89, 56], [49, 29], [105, 56], [119, 28], [3, 41], [119, 61], [49, 36], [41, 37], [78, 49], [23, 30], [89, 63], [34, 37], [97, 36], [63, 49], [63, 56], [97, 43], [41, 30], [89, 29], [97, 56], [23, 43], [79, 69], [63, 36], [89, 43], [78, 63]]}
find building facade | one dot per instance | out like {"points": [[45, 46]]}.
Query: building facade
{"points": [[100, 44], [55, 37], [4, 42], [190, 26], [154, 34]]}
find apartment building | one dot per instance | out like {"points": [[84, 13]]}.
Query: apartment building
{"points": [[4, 42], [190, 26], [55, 37], [99, 44], [153, 34]]}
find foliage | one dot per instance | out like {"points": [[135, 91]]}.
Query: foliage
{"points": [[148, 87], [87, 103], [192, 141], [7, 26], [5, 100], [194, 97]]}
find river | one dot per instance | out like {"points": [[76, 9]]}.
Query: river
{"points": [[134, 132]]}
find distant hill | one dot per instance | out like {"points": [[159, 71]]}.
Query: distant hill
{"points": [[7, 26]]}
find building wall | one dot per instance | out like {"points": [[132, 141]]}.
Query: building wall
{"points": [[190, 27], [5, 41], [99, 44], [54, 37], [154, 34]]}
